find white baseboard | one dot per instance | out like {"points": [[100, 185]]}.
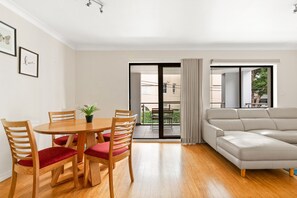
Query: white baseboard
{"points": [[5, 175]]}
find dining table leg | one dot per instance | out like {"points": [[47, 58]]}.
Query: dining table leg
{"points": [[81, 146], [100, 137], [94, 176]]}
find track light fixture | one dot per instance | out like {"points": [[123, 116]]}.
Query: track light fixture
{"points": [[89, 3], [295, 9]]}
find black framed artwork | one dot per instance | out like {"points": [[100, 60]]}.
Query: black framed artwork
{"points": [[28, 62], [7, 39]]}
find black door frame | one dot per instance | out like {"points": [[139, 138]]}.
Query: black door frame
{"points": [[160, 93]]}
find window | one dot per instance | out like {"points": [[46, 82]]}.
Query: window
{"points": [[173, 88], [241, 87], [164, 87]]}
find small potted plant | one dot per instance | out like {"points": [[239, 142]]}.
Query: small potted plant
{"points": [[89, 110]]}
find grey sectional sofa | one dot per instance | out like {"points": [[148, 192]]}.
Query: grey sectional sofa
{"points": [[254, 138]]}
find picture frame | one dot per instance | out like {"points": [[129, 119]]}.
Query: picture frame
{"points": [[28, 62], [8, 41]]}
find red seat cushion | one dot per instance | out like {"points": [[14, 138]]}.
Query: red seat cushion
{"points": [[63, 140], [50, 156], [106, 137], [101, 150]]}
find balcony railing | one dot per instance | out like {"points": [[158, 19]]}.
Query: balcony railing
{"points": [[146, 111], [247, 105]]}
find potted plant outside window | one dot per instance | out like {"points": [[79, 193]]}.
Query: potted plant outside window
{"points": [[89, 110]]}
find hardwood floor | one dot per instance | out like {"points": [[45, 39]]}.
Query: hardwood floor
{"points": [[171, 170]]}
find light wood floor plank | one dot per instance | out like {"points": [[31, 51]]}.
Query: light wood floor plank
{"points": [[171, 170]]}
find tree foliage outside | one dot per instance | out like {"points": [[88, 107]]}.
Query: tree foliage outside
{"points": [[259, 84], [146, 119]]}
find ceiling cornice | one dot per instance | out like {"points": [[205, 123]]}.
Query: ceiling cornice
{"points": [[197, 47], [35, 21]]}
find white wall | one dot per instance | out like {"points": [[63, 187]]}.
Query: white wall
{"points": [[136, 94], [28, 98], [102, 76], [246, 93], [231, 90]]}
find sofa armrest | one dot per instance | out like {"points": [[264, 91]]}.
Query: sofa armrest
{"points": [[210, 134]]}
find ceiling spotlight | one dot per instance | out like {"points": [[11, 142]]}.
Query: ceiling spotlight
{"points": [[295, 9], [89, 3], [97, 2]]}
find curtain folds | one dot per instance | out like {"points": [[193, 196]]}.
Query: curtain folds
{"points": [[191, 101]]}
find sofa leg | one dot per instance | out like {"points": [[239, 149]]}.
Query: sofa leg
{"points": [[291, 172], [243, 172]]}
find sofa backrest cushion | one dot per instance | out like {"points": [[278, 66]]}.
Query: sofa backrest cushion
{"points": [[286, 124], [258, 124], [228, 124], [253, 113], [283, 113], [222, 114], [284, 118], [255, 119]]}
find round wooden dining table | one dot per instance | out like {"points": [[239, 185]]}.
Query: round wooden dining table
{"points": [[86, 136]]}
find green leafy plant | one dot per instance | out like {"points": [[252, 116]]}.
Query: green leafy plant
{"points": [[88, 110]]}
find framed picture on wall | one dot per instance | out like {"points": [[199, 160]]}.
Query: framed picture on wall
{"points": [[28, 62], [7, 39]]}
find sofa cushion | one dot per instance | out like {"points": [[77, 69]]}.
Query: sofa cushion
{"points": [[252, 113], [222, 114], [283, 112], [228, 124], [252, 147], [286, 124], [286, 136], [258, 123]]}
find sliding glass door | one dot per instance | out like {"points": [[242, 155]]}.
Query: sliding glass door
{"points": [[171, 101], [154, 94]]}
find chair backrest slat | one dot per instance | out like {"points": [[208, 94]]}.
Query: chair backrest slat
{"points": [[21, 140], [121, 146], [122, 113], [16, 136], [16, 131], [121, 133], [20, 147], [118, 138], [62, 115], [126, 140]]}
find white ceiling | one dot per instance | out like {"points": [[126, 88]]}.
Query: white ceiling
{"points": [[168, 24]]}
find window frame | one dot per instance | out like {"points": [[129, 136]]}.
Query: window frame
{"points": [[240, 79]]}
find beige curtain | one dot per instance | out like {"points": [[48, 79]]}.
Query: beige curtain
{"points": [[191, 101]]}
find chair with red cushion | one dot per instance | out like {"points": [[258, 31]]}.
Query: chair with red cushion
{"points": [[118, 114], [26, 159], [118, 148], [62, 116]]}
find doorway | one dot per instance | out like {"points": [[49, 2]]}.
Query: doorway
{"points": [[154, 94]]}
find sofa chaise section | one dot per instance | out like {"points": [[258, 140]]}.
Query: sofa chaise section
{"points": [[254, 138]]}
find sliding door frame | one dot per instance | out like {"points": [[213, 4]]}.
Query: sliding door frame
{"points": [[160, 93]]}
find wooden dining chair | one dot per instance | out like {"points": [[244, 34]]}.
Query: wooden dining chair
{"points": [[118, 148], [59, 116], [26, 159], [118, 114]]}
